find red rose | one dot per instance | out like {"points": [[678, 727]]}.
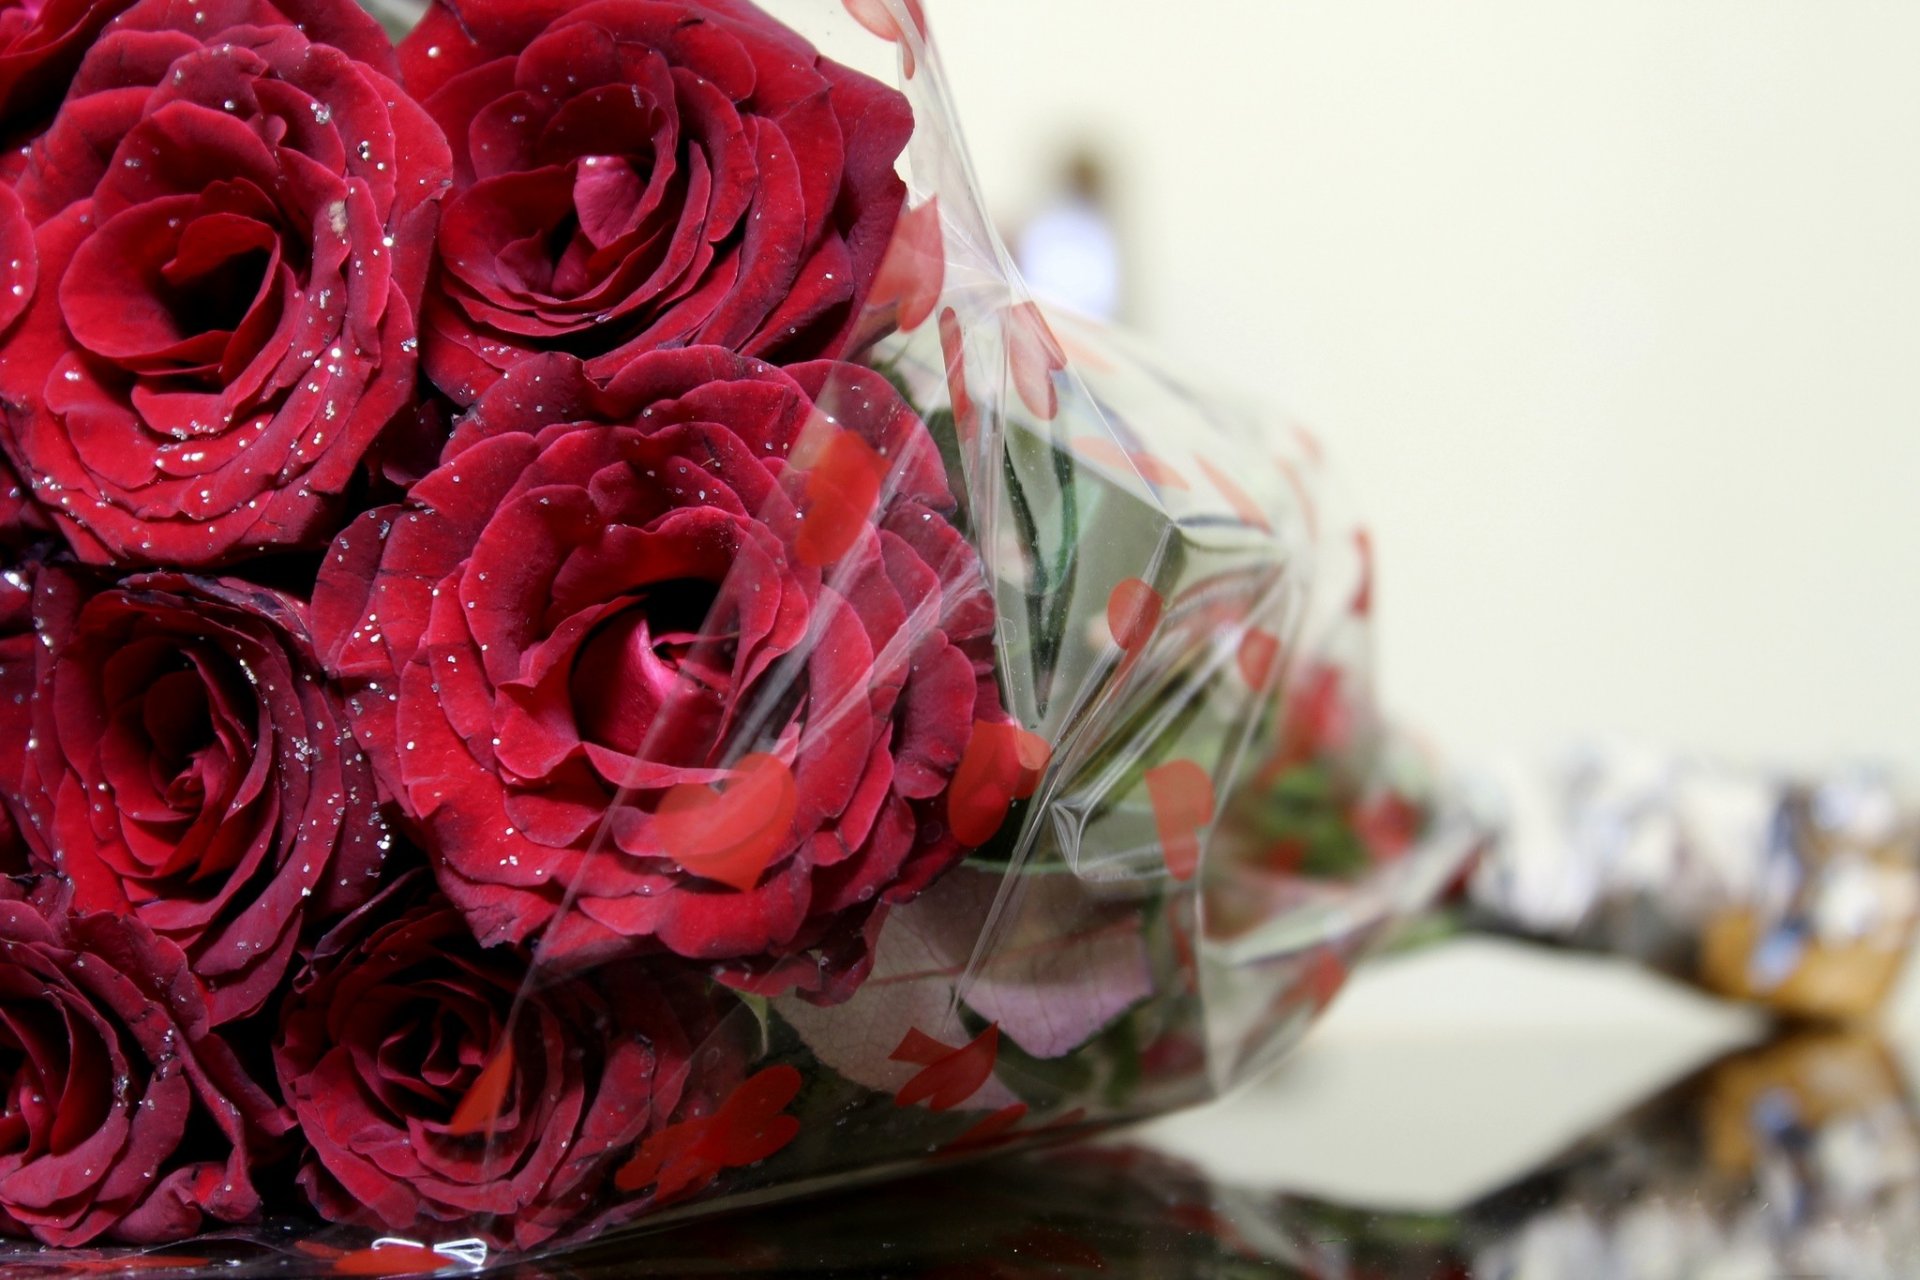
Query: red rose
{"points": [[41, 42], [232, 217], [433, 1090], [635, 174], [608, 598], [124, 1116], [188, 765]]}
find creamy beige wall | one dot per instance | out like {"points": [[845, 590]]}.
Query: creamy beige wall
{"points": [[1611, 309]]}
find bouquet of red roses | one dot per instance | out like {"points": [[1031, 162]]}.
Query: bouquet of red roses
{"points": [[571, 645]]}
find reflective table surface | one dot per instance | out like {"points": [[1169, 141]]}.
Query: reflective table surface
{"points": [[1599, 1125]]}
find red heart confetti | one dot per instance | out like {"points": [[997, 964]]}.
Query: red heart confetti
{"points": [[876, 17], [1002, 763], [1387, 824], [1309, 443], [731, 835], [1140, 462], [1309, 510], [1362, 604], [966, 418], [1133, 611], [1182, 797], [750, 1126], [1237, 498], [948, 1076], [1319, 722], [1259, 651], [843, 481], [391, 1260], [1035, 355], [753, 1124], [913, 269], [480, 1108]]}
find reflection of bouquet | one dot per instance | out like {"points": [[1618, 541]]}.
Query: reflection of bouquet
{"points": [[1797, 1157], [573, 646], [1801, 1157]]}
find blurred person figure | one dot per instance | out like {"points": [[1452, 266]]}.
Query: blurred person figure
{"points": [[1068, 250]]}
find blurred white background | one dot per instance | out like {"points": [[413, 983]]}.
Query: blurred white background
{"points": [[1611, 313]]}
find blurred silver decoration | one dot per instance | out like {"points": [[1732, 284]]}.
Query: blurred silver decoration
{"points": [[1800, 892]]}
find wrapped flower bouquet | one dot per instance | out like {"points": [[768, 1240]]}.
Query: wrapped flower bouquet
{"points": [[573, 649]]}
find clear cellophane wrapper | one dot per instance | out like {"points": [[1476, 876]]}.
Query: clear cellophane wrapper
{"points": [[1174, 824]]}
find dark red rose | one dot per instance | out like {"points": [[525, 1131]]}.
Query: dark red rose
{"points": [[609, 598], [636, 174], [41, 42], [232, 223], [189, 766], [124, 1117], [429, 1097]]}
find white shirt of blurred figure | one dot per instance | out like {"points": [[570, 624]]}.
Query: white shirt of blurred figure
{"points": [[1070, 255]]}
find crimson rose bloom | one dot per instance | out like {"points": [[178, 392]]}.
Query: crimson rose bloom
{"points": [[608, 598], [634, 174], [428, 1098], [189, 766], [232, 219], [124, 1116]]}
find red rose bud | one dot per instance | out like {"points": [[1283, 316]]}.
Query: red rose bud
{"points": [[233, 216], [439, 1093], [189, 766], [127, 1118], [636, 176], [597, 660]]}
